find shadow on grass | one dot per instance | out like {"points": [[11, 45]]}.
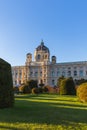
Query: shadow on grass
{"points": [[54, 113], [9, 128]]}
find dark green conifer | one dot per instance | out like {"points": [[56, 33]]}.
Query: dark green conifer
{"points": [[6, 85]]}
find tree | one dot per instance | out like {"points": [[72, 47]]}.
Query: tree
{"points": [[6, 85], [32, 84]]}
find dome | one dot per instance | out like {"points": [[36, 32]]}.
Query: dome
{"points": [[29, 54], [42, 47]]}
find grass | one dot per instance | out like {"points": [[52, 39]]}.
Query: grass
{"points": [[44, 112]]}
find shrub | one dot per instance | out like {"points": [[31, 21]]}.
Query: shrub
{"points": [[41, 85], [16, 90], [28, 86], [6, 85], [59, 80], [80, 81], [82, 92], [63, 90], [45, 89], [40, 89], [25, 89], [35, 91], [67, 87]]}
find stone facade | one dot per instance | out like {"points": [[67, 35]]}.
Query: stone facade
{"points": [[45, 70]]}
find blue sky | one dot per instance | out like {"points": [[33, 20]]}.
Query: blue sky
{"points": [[62, 24]]}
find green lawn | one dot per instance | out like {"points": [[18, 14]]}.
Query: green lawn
{"points": [[44, 112]]}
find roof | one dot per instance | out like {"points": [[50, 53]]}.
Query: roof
{"points": [[42, 47]]}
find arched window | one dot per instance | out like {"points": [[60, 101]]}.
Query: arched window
{"points": [[45, 56], [38, 57]]}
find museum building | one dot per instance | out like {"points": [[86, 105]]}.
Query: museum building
{"points": [[47, 71]]}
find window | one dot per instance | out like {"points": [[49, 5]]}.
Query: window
{"points": [[75, 73], [53, 73], [31, 73], [81, 67], [58, 69], [12, 72], [63, 73], [75, 67], [24, 75], [58, 73], [81, 73], [40, 73], [20, 75], [44, 80], [38, 56], [45, 57], [36, 74], [19, 81], [53, 82], [69, 73], [16, 75], [44, 75], [41, 81], [86, 72], [15, 82]]}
